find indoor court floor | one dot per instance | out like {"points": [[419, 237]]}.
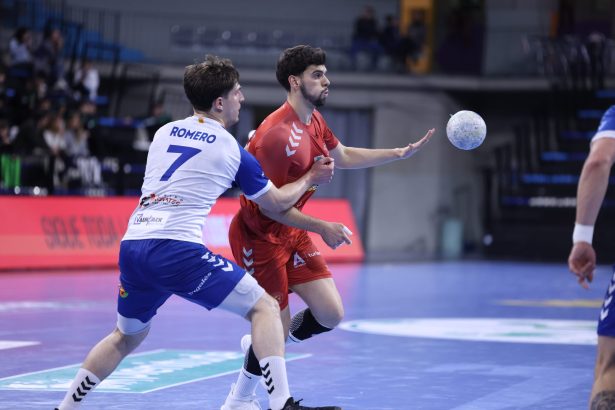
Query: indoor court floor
{"points": [[436, 336]]}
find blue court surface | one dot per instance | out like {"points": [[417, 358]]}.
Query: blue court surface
{"points": [[458, 335]]}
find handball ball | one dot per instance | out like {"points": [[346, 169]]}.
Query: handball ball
{"points": [[466, 130]]}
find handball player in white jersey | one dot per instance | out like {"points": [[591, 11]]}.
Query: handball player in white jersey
{"points": [[191, 162], [592, 188]]}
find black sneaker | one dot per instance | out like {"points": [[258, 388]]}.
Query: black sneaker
{"points": [[291, 404]]}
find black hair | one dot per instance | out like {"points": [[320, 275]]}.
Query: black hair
{"points": [[294, 61], [206, 81]]}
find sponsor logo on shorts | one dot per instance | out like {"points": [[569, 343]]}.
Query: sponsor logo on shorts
{"points": [[311, 255], [200, 284], [123, 293]]}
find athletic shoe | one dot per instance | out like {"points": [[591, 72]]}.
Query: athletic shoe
{"points": [[291, 404], [239, 403]]}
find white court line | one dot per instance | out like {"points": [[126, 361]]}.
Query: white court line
{"points": [[12, 344]]}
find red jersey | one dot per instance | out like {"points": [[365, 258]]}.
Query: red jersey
{"points": [[286, 149]]}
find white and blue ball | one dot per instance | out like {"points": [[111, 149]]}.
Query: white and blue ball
{"points": [[466, 130]]}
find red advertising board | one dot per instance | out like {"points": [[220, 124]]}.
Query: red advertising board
{"points": [[78, 232]]}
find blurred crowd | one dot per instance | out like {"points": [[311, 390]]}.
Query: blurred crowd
{"points": [[46, 113], [388, 46], [51, 133]]}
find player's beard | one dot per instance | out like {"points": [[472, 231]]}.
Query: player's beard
{"points": [[315, 101]]}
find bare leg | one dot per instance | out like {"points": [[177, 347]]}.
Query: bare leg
{"points": [[603, 391], [267, 339], [109, 352], [324, 301], [285, 315], [99, 363], [268, 346]]}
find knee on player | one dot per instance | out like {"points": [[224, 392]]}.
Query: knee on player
{"points": [[129, 334], [266, 305], [331, 316]]}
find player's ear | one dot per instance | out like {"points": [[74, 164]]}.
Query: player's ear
{"points": [[293, 81], [218, 104]]}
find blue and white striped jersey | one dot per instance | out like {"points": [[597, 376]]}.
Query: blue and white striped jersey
{"points": [[190, 163]]}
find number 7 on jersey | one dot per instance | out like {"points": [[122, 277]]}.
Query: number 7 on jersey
{"points": [[185, 153]]}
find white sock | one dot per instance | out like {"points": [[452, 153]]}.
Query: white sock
{"points": [[275, 381], [246, 384], [82, 384]]}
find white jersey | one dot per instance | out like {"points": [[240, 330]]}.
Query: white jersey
{"points": [[190, 163]]}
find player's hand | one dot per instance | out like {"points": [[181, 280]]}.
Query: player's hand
{"points": [[411, 149], [322, 171], [582, 262], [335, 234]]}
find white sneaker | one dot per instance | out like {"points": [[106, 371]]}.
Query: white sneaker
{"points": [[246, 341], [238, 403]]}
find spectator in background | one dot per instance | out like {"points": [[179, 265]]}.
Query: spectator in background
{"points": [[20, 47], [86, 81], [76, 138], [365, 37], [54, 137], [417, 34], [29, 139], [48, 58], [390, 40], [156, 118]]}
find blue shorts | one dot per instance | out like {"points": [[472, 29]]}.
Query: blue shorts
{"points": [[151, 270], [606, 321]]}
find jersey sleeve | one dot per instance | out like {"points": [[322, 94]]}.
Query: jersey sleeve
{"points": [[250, 176], [328, 136], [606, 129], [271, 154]]}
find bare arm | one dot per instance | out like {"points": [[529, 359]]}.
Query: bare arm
{"points": [[594, 180], [332, 233], [283, 198], [352, 157], [592, 188]]}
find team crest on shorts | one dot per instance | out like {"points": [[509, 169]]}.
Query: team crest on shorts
{"points": [[298, 260], [123, 293]]}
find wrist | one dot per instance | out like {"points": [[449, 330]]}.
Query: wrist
{"points": [[582, 233], [317, 226]]}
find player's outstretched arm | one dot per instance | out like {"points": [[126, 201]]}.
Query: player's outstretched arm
{"points": [[352, 157], [281, 199], [592, 188], [333, 234]]}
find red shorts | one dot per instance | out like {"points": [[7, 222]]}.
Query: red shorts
{"points": [[277, 267]]}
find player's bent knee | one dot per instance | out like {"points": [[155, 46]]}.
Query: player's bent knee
{"points": [[331, 318], [268, 306]]}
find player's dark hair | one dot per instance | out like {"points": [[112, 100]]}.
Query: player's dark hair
{"points": [[206, 81], [294, 61]]}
